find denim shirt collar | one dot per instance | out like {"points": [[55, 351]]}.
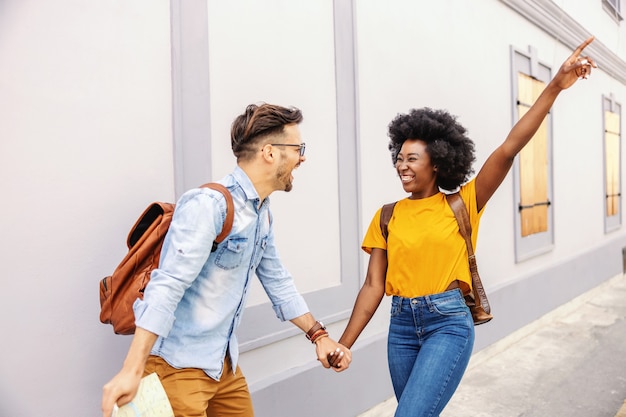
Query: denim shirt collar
{"points": [[247, 187]]}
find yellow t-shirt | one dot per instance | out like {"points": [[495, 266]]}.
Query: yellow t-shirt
{"points": [[425, 250]]}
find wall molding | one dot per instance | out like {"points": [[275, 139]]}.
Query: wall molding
{"points": [[191, 104], [550, 18]]}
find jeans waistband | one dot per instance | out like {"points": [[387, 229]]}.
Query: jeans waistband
{"points": [[429, 299]]}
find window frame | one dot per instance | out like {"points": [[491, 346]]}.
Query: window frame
{"points": [[614, 9], [538, 243], [611, 223]]}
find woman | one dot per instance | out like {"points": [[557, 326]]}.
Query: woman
{"points": [[423, 265]]}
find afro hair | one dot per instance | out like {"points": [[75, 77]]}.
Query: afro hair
{"points": [[450, 150]]}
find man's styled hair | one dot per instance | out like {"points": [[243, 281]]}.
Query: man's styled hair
{"points": [[450, 150], [257, 122]]}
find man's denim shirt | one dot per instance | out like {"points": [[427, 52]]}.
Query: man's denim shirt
{"points": [[195, 299]]}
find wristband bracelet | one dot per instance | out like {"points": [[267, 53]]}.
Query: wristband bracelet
{"points": [[318, 336], [317, 326]]}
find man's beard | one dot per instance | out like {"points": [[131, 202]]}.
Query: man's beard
{"points": [[284, 178]]}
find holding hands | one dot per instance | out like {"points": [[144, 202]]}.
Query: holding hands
{"points": [[330, 353], [333, 355]]}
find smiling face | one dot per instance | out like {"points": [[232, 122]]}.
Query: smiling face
{"points": [[290, 158], [415, 170]]}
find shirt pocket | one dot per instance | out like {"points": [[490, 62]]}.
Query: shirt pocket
{"points": [[231, 254]]}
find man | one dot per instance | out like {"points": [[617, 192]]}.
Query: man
{"points": [[193, 304]]}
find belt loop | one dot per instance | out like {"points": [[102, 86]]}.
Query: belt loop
{"points": [[429, 302]]}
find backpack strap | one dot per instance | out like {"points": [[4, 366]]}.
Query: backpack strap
{"points": [[230, 212], [385, 216], [465, 228]]}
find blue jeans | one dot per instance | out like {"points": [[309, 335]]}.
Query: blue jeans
{"points": [[429, 346]]}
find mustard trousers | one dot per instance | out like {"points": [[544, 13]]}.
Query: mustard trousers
{"points": [[193, 393]]}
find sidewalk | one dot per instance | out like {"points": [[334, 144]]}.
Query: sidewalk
{"points": [[569, 363]]}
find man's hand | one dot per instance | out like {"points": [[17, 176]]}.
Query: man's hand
{"points": [[119, 391], [123, 387]]}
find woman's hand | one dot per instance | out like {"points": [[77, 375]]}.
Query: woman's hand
{"points": [[576, 67]]}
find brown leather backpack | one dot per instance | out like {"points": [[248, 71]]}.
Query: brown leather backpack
{"points": [[119, 291]]}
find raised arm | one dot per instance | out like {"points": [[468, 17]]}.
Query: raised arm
{"points": [[369, 297], [500, 161]]}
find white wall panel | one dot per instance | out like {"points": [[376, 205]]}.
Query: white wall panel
{"points": [[85, 145], [283, 53]]}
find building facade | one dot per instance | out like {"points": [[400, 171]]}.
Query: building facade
{"points": [[107, 106]]}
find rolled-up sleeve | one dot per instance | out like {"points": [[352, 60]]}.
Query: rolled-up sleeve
{"points": [[291, 309], [151, 319]]}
